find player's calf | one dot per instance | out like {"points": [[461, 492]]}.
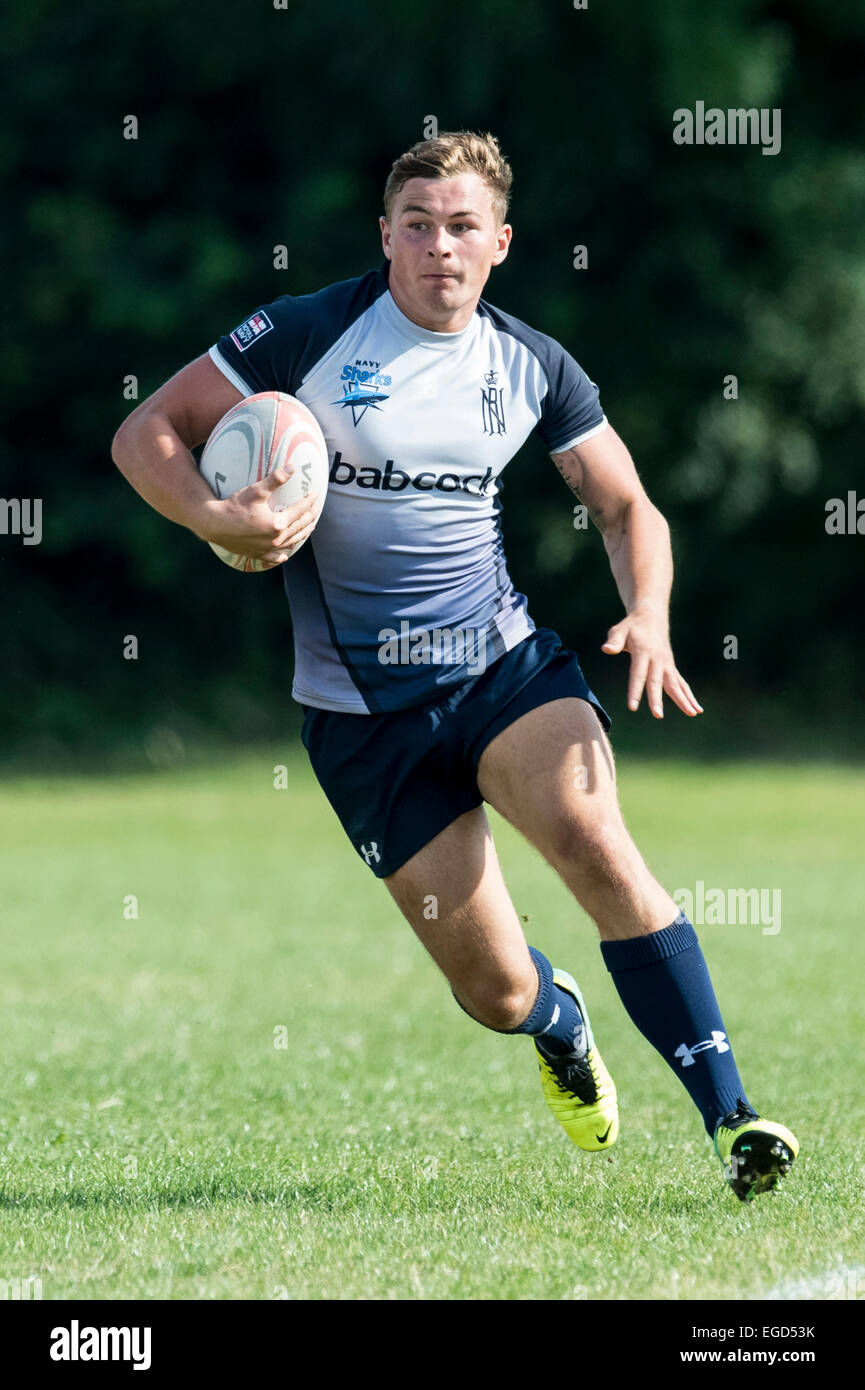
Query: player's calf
{"points": [[499, 1006]]}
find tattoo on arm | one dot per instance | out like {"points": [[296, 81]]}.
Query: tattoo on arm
{"points": [[571, 473]]}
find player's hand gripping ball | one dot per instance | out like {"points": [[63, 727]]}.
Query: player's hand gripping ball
{"points": [[264, 432]]}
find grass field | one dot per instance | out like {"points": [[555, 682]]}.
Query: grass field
{"points": [[159, 1141]]}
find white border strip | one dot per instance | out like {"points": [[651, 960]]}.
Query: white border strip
{"points": [[228, 371], [580, 438]]}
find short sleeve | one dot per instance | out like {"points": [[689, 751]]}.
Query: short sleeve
{"points": [[277, 346], [571, 410], [264, 352]]}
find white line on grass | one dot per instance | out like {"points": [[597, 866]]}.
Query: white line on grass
{"points": [[843, 1282]]}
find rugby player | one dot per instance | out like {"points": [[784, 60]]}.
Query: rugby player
{"points": [[426, 687]]}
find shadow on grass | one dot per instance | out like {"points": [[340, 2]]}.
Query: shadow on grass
{"points": [[200, 1194]]}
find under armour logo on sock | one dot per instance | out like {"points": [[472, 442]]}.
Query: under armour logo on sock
{"points": [[370, 852], [718, 1040], [553, 1021]]}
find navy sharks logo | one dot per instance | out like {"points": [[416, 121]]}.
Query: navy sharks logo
{"points": [[360, 399], [362, 388]]}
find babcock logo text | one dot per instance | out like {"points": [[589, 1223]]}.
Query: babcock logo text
{"points": [[390, 479]]}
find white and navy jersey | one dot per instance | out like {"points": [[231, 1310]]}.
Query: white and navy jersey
{"points": [[402, 591]]}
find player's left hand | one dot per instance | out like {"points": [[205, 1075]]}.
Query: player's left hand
{"points": [[643, 634]]}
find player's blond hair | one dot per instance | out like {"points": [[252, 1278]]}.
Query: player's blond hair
{"points": [[449, 153]]}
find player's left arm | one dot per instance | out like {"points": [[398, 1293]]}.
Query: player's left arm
{"points": [[601, 473]]}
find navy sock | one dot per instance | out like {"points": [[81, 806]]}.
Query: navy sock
{"points": [[663, 982], [555, 1022]]}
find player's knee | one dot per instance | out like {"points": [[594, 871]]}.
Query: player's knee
{"points": [[597, 853]]}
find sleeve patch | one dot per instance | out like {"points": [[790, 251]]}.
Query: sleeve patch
{"points": [[251, 330]]}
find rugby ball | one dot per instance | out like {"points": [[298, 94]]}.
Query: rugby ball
{"points": [[264, 432]]}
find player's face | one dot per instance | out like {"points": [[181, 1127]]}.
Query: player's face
{"points": [[442, 240]]}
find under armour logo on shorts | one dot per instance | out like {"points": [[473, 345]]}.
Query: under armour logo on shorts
{"points": [[370, 852], [717, 1040]]}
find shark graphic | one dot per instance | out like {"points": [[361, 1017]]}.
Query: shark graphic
{"points": [[360, 401]]}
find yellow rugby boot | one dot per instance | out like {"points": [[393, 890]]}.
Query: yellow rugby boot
{"points": [[578, 1088], [755, 1152]]}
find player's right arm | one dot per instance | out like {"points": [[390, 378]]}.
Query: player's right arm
{"points": [[153, 448]]}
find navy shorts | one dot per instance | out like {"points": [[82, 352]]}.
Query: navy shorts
{"points": [[396, 780]]}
